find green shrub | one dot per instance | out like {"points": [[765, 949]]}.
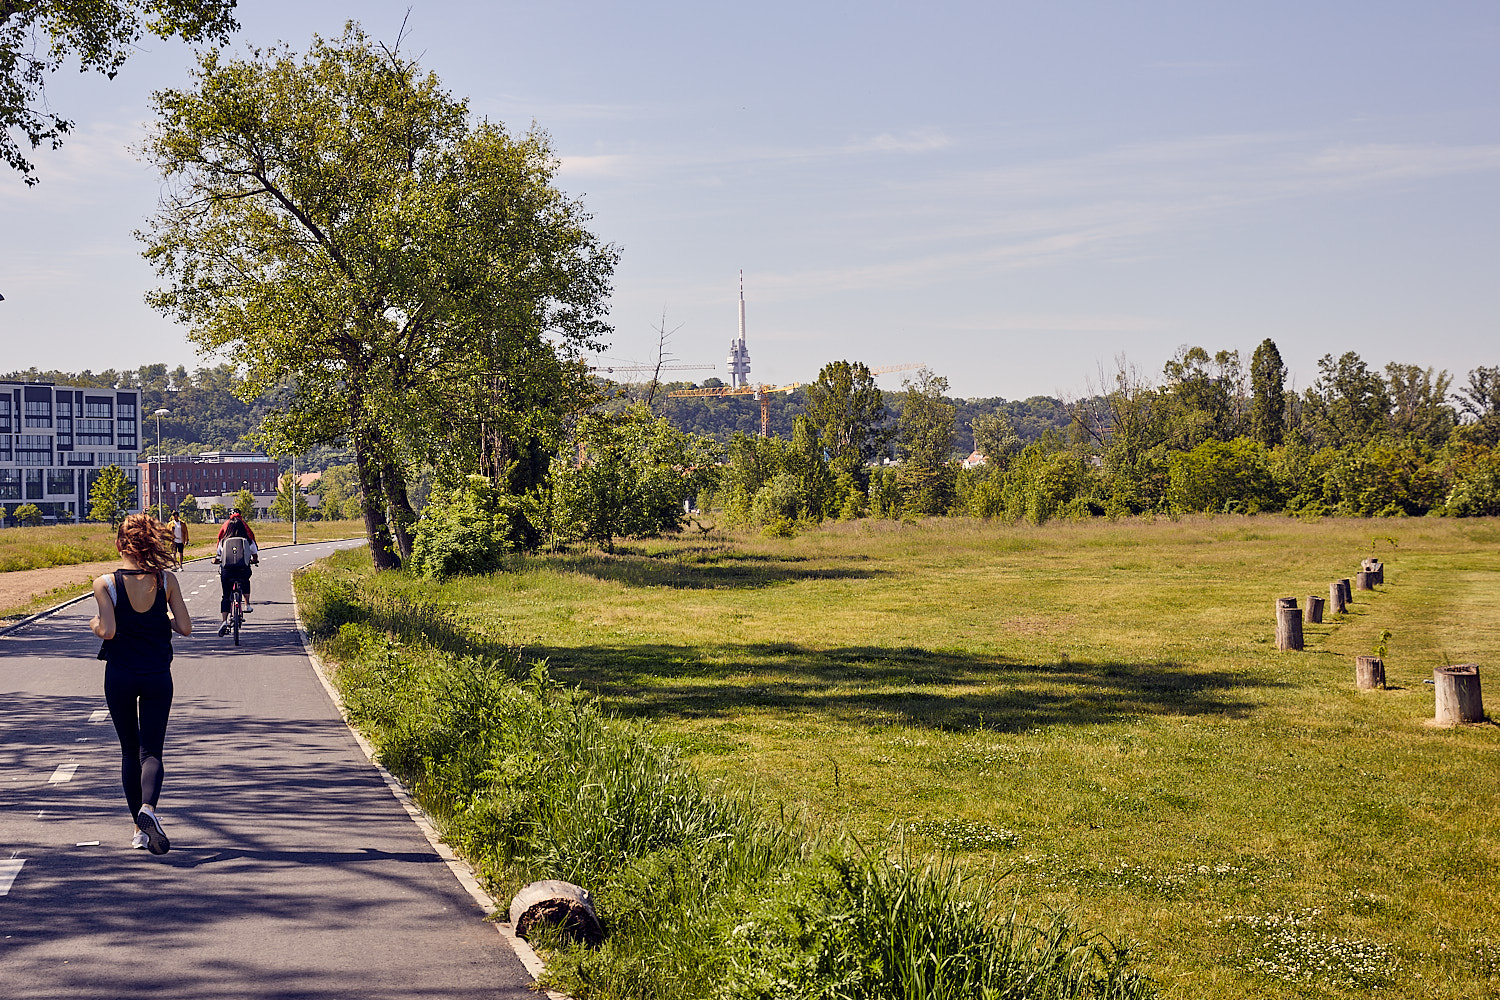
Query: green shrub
{"points": [[465, 529], [28, 515], [1218, 474]]}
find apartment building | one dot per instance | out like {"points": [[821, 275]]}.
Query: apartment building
{"points": [[55, 439]]}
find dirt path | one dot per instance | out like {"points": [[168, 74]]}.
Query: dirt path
{"points": [[20, 588]]}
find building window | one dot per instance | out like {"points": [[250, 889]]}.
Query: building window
{"points": [[99, 408], [33, 449], [60, 481], [38, 413], [96, 431], [10, 484], [5, 427], [81, 458], [33, 484]]}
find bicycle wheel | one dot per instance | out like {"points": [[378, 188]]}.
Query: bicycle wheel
{"points": [[237, 614]]}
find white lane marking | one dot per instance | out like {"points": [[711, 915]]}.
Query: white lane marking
{"points": [[87, 843], [8, 871], [100, 714], [63, 773]]}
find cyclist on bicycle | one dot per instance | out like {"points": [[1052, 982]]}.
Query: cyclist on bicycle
{"points": [[237, 553]]}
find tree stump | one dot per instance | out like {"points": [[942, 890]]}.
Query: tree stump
{"points": [[1336, 603], [561, 903], [1285, 602], [1380, 572], [1369, 673], [1458, 698], [1348, 593], [1364, 580], [1314, 613], [1288, 628]]}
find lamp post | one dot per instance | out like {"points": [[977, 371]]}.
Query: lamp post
{"points": [[295, 493], [158, 415]]}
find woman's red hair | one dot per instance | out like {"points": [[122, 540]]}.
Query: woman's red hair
{"points": [[146, 542]]}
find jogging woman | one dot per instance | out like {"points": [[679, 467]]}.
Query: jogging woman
{"points": [[134, 623]]}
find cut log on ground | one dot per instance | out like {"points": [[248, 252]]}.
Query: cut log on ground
{"points": [[1369, 673], [1348, 593], [1364, 580], [1313, 614], [1288, 628], [563, 904], [1458, 697], [1336, 605]]}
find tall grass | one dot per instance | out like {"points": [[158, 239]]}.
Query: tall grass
{"points": [[531, 780]]}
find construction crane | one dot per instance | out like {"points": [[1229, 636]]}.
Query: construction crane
{"points": [[611, 369], [763, 392], [760, 392]]}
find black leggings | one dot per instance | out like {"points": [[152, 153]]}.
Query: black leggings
{"points": [[226, 581], [138, 704]]}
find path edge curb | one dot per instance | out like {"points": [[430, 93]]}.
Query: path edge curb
{"points": [[528, 957]]}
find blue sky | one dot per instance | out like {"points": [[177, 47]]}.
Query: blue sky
{"points": [[1014, 194]]}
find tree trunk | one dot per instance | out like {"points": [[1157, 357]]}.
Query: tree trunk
{"points": [[1364, 580], [1288, 627], [554, 902], [1458, 696], [1369, 673], [1336, 604], [1314, 613], [403, 517]]}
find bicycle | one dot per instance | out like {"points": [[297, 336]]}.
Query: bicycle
{"points": [[236, 611]]}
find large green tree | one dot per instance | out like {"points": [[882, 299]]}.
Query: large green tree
{"points": [[926, 444], [1347, 405], [410, 277], [1267, 394], [848, 409], [38, 36]]}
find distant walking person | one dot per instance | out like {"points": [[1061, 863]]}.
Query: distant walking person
{"points": [[134, 623], [237, 553], [179, 536]]}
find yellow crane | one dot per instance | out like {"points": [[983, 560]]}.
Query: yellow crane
{"points": [[763, 392]]}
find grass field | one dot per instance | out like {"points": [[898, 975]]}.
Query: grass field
{"points": [[71, 544], [1094, 712]]}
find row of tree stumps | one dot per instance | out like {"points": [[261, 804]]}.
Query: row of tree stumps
{"points": [[1458, 693]]}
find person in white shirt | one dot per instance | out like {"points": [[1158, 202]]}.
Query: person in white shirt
{"points": [[179, 536]]}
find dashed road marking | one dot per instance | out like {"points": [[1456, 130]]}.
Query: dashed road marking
{"points": [[99, 715], [63, 773], [9, 869]]}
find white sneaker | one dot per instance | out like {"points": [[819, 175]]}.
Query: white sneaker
{"points": [[156, 837], [139, 840]]}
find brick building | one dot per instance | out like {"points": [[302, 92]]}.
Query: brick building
{"points": [[210, 477]]}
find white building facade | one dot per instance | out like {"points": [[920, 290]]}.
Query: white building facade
{"points": [[55, 439]]}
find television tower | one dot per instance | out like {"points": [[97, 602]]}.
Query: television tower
{"points": [[738, 361]]}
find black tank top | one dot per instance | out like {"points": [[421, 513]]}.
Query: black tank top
{"points": [[143, 639]]}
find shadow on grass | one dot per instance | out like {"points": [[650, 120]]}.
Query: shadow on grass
{"points": [[699, 568], [908, 686]]}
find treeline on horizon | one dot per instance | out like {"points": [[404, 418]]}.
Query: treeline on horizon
{"points": [[1210, 434]]}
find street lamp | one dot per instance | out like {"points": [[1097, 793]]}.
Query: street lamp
{"points": [[158, 415]]}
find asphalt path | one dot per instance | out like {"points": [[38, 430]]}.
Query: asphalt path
{"points": [[293, 872]]}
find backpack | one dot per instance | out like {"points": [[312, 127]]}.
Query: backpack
{"points": [[236, 552]]}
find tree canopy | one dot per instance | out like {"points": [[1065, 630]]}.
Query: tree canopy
{"points": [[102, 34], [338, 225]]}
